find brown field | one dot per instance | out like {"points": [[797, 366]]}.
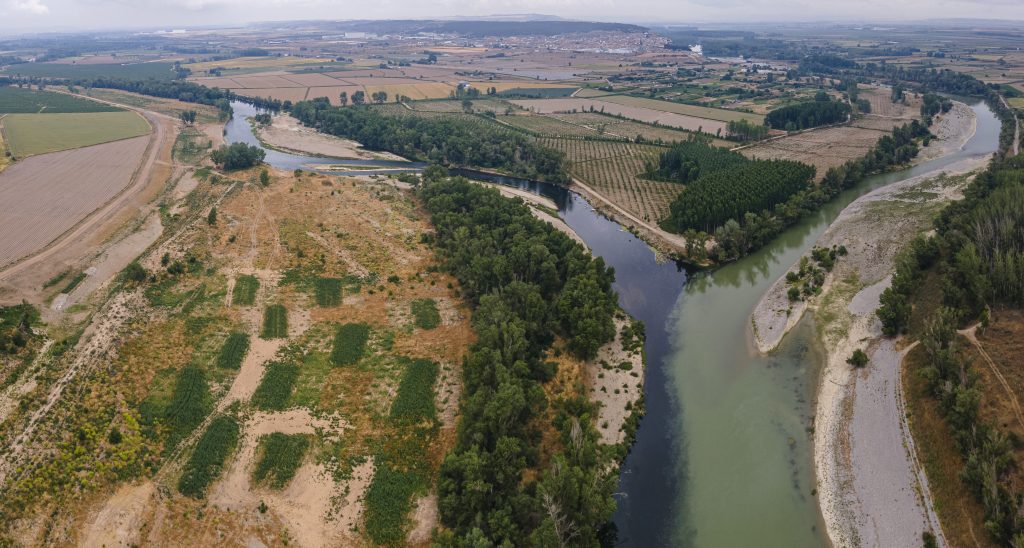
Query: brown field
{"points": [[332, 93], [879, 122], [218, 82], [44, 196], [684, 109], [823, 148], [630, 129], [315, 79], [282, 94], [548, 106], [264, 82], [882, 105], [612, 169], [413, 90]]}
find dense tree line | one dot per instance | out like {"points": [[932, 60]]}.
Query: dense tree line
{"points": [[685, 161], [977, 254], [752, 185], [743, 130], [527, 284], [445, 140], [819, 112]]}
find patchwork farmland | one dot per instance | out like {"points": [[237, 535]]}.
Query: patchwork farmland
{"points": [[43, 196]]}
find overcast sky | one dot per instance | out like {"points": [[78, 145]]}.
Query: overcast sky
{"points": [[63, 15]]}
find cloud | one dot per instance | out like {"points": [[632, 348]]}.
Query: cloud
{"points": [[34, 7]]}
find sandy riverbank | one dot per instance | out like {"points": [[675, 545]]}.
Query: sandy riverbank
{"points": [[285, 133], [775, 315], [869, 487]]}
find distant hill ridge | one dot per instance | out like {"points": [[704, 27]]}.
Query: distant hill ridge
{"points": [[505, 26]]}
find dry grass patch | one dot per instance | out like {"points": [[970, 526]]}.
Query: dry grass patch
{"points": [[961, 516]]}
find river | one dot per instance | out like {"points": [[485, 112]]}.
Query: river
{"points": [[724, 455]]}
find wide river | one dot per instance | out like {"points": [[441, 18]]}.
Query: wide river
{"points": [[724, 455]]}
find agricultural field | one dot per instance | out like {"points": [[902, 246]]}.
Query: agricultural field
{"points": [[32, 134], [549, 126], [641, 114], [685, 109], [823, 149], [882, 104], [27, 101], [298, 79], [628, 129], [239, 65], [43, 196], [613, 169], [129, 71]]}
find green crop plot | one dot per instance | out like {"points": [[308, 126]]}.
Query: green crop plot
{"points": [[280, 456], [208, 459], [275, 322], [233, 351], [276, 386], [25, 101], [30, 134], [388, 502], [328, 291], [350, 343], [245, 290], [425, 314], [133, 71], [189, 405], [415, 400]]}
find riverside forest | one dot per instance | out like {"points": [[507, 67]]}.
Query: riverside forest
{"points": [[463, 279]]}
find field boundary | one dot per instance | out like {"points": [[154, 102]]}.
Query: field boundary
{"points": [[149, 159]]}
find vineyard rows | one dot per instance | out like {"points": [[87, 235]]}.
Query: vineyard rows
{"points": [[613, 169]]}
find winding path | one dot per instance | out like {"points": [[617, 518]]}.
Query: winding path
{"points": [[971, 334]]}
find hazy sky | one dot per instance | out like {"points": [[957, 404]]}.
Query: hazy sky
{"points": [[61, 15]]}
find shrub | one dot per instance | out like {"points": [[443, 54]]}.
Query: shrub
{"points": [[328, 291], [134, 272], [275, 322], [858, 359], [280, 456], [276, 386], [207, 461], [233, 351], [425, 313], [350, 343], [237, 156], [245, 290], [415, 400]]}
